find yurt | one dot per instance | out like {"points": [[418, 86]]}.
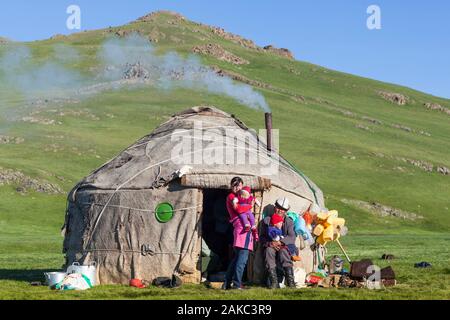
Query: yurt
{"points": [[145, 213]]}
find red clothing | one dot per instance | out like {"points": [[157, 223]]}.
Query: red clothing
{"points": [[233, 213], [242, 201], [241, 239], [244, 206]]}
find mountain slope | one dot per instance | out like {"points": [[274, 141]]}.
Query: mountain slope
{"points": [[340, 130]]}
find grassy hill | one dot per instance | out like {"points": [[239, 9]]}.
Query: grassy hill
{"points": [[340, 130]]}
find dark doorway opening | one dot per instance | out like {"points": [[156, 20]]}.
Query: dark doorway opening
{"points": [[217, 231]]}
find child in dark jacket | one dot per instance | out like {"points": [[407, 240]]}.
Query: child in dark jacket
{"points": [[275, 234]]}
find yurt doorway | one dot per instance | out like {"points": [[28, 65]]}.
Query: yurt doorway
{"points": [[217, 232]]}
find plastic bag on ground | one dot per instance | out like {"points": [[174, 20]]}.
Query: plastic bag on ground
{"points": [[74, 281], [299, 277]]}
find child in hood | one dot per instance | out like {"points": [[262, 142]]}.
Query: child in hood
{"points": [[276, 234]]}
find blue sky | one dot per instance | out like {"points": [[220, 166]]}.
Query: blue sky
{"points": [[412, 48]]}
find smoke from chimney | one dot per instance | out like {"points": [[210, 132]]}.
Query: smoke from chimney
{"points": [[53, 78]]}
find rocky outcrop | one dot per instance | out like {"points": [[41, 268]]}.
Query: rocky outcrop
{"points": [[136, 71], [153, 15], [39, 120], [408, 129], [372, 120], [238, 77], [438, 107], [78, 113], [219, 53], [396, 98], [402, 127], [58, 37], [25, 183], [122, 33], [280, 51], [424, 165], [382, 210], [3, 41], [443, 170], [11, 140], [233, 38], [362, 127], [156, 35], [421, 164]]}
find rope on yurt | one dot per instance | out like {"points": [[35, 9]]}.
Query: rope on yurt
{"points": [[306, 180], [137, 209], [133, 251], [167, 160], [173, 132]]}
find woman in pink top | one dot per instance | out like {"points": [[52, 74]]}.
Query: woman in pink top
{"points": [[242, 240]]}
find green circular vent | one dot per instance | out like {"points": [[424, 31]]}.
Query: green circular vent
{"points": [[164, 212]]}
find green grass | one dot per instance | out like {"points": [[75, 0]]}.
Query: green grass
{"points": [[408, 249], [314, 136]]}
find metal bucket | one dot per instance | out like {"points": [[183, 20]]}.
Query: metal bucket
{"points": [[53, 278], [89, 271]]}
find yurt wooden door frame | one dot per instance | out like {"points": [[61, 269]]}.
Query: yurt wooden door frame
{"points": [[213, 200]]}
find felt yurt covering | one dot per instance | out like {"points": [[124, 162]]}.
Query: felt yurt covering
{"points": [[110, 217]]}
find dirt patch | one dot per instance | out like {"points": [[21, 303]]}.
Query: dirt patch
{"points": [[25, 183], [383, 210], [396, 98], [283, 52], [219, 53], [11, 140], [438, 107]]}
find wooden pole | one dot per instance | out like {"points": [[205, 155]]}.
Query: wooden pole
{"points": [[342, 248]]}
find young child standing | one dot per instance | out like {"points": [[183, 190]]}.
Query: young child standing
{"points": [[276, 234]]}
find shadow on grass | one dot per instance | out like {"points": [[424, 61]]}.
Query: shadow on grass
{"points": [[24, 275]]}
